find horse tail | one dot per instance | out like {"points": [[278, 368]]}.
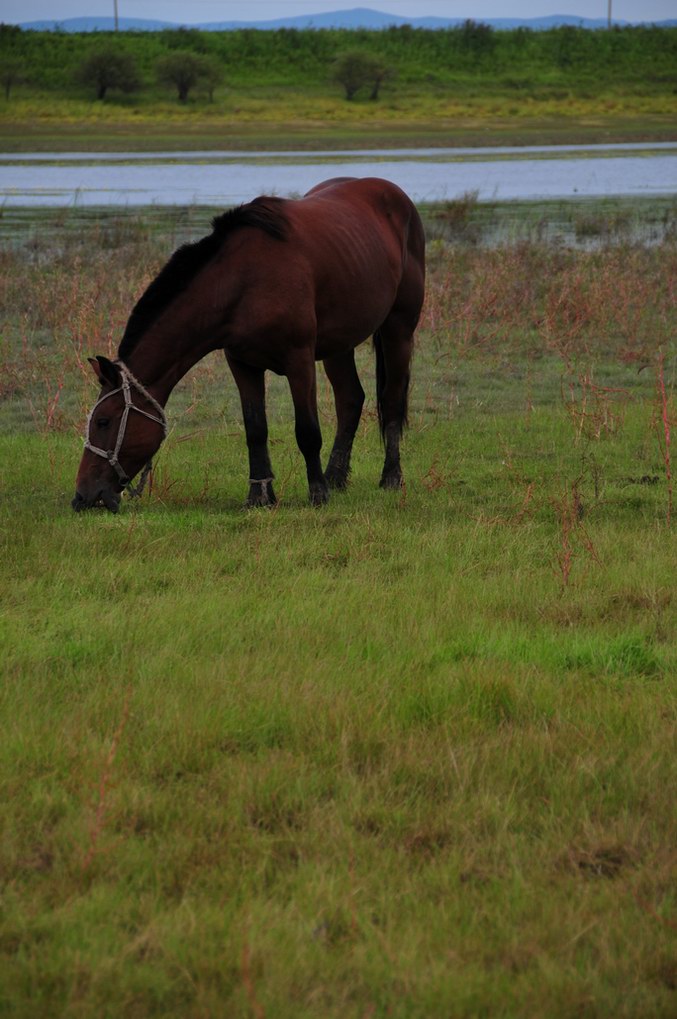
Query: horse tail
{"points": [[381, 379]]}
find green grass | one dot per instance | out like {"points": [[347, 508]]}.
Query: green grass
{"points": [[303, 119], [446, 88], [411, 754]]}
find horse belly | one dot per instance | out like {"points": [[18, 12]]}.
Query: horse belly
{"points": [[344, 336], [350, 311]]}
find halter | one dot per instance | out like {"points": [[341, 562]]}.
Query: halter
{"points": [[127, 381]]}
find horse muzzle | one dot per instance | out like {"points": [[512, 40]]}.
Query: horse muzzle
{"points": [[105, 498]]}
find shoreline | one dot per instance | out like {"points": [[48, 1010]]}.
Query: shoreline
{"points": [[60, 135]]}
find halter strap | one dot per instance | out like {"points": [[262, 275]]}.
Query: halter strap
{"points": [[127, 381]]}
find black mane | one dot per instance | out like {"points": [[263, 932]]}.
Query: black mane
{"points": [[266, 214]]}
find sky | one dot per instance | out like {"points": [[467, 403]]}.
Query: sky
{"points": [[196, 11]]}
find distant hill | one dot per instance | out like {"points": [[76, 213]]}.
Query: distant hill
{"points": [[97, 24], [358, 17]]}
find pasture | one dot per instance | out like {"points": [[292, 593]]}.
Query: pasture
{"points": [[410, 754]]}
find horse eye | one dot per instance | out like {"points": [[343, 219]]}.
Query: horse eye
{"points": [[102, 422]]}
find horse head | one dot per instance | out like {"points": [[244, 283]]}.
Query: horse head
{"points": [[117, 442]]}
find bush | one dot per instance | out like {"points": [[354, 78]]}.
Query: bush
{"points": [[12, 72], [109, 67], [355, 70], [183, 70]]}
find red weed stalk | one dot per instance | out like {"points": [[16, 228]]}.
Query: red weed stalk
{"points": [[528, 496], [52, 404], [104, 780], [529, 406], [248, 981], [666, 430], [572, 533], [566, 553], [646, 907], [352, 897], [433, 478], [600, 408]]}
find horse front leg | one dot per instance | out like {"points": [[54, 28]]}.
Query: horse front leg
{"points": [[252, 388], [303, 384], [349, 399]]}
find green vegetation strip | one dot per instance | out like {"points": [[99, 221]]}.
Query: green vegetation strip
{"points": [[409, 755], [263, 90]]}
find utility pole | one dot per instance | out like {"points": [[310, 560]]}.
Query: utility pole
{"points": [[608, 15], [115, 7]]}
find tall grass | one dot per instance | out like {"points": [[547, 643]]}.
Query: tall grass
{"points": [[408, 755]]}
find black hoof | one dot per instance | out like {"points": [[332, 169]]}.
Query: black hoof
{"points": [[260, 494], [337, 481], [392, 481], [338, 471], [318, 493]]}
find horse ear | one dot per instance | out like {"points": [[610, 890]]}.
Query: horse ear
{"points": [[105, 370]]}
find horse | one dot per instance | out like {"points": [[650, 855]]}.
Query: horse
{"points": [[278, 285]]}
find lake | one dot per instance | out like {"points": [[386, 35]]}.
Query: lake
{"points": [[427, 175]]}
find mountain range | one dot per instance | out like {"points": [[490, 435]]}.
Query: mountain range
{"points": [[358, 17]]}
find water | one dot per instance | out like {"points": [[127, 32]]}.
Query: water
{"points": [[428, 175]]}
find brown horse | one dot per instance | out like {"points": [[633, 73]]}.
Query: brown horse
{"points": [[278, 284]]}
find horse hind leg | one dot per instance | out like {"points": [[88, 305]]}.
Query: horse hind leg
{"points": [[394, 344], [349, 399]]}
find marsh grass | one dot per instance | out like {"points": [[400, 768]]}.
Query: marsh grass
{"points": [[268, 125], [268, 118], [408, 755]]}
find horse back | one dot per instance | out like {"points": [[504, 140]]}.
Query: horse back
{"points": [[368, 212], [353, 249], [364, 244]]}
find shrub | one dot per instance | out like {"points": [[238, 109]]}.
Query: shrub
{"points": [[106, 68], [12, 72], [184, 69], [355, 70]]}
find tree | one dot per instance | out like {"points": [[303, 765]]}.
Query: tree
{"points": [[477, 38], [212, 75], [183, 70], [380, 72], [108, 67], [11, 73], [355, 70], [10, 33]]}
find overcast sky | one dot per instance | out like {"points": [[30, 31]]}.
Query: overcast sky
{"points": [[195, 11]]}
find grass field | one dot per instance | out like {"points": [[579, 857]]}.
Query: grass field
{"points": [[463, 87], [408, 755], [287, 118]]}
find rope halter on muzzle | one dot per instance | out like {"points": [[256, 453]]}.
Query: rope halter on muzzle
{"points": [[112, 455]]}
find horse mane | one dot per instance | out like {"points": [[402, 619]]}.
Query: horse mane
{"points": [[266, 213]]}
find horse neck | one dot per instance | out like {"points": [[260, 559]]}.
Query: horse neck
{"points": [[191, 326], [160, 360]]}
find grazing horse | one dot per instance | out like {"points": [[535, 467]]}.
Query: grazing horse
{"points": [[278, 284]]}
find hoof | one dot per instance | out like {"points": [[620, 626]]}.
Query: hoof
{"points": [[338, 471], [260, 494], [392, 481], [318, 494], [337, 481]]}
